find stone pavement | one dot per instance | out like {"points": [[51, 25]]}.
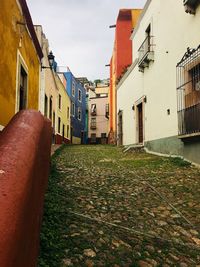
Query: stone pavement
{"points": [[123, 209]]}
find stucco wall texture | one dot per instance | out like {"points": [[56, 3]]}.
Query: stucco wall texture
{"points": [[24, 167], [15, 39]]}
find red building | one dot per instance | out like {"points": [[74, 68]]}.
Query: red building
{"points": [[121, 59]]}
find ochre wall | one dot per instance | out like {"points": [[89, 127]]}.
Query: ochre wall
{"points": [[10, 33]]}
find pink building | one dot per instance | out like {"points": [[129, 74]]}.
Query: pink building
{"points": [[98, 119]]}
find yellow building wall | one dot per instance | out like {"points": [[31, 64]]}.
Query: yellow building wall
{"points": [[135, 16], [65, 104], [15, 38]]}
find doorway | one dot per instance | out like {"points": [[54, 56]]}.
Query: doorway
{"points": [[140, 123], [120, 129], [82, 137], [63, 133], [71, 138]]}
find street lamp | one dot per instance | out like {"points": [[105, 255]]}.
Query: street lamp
{"points": [[51, 61]]}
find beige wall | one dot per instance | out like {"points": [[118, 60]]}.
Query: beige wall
{"points": [[173, 31], [102, 90], [48, 85]]}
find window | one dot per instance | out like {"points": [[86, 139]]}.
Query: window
{"points": [[93, 123], [54, 120], [68, 112], [73, 109], [148, 31], [103, 135], [73, 89], [107, 111], [146, 52], [93, 110], [188, 92], [59, 101], [194, 77], [67, 131], [79, 95], [23, 89], [79, 114], [45, 106], [93, 138], [63, 132], [59, 124], [50, 108]]}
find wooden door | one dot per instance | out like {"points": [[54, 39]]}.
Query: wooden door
{"points": [[120, 129], [140, 123], [63, 133]]}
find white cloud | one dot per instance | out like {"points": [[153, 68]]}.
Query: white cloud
{"points": [[78, 31]]}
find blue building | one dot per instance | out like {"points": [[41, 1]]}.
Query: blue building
{"points": [[77, 95]]}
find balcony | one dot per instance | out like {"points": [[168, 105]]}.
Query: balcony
{"points": [[188, 94], [190, 6], [146, 53], [189, 121], [93, 126]]}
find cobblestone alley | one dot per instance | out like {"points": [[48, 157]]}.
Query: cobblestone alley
{"points": [[105, 207]]}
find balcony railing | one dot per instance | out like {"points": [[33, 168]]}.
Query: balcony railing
{"points": [[146, 52], [93, 125], [189, 120], [188, 93]]}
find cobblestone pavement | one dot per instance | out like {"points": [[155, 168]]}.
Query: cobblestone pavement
{"points": [[127, 209]]}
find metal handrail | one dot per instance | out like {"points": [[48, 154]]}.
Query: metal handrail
{"points": [[145, 48]]}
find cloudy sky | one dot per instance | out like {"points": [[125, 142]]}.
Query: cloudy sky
{"points": [[78, 31]]}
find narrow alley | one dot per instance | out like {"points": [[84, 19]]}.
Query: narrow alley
{"points": [[105, 207]]}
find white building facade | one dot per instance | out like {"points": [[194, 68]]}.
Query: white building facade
{"points": [[147, 94]]}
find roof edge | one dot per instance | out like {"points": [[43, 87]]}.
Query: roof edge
{"points": [[30, 26], [141, 17]]}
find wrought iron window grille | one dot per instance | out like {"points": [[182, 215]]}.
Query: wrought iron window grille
{"points": [[188, 92]]}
